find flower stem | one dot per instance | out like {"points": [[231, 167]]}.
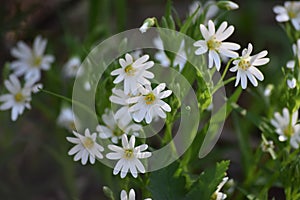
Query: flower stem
{"points": [[69, 100]]}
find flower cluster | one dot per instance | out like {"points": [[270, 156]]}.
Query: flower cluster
{"points": [[245, 65], [30, 62]]}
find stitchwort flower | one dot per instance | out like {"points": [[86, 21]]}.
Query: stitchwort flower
{"points": [[119, 97], [86, 147], [150, 103], [287, 127], [214, 45], [289, 12], [29, 61], [246, 67], [18, 98], [114, 128], [133, 73], [128, 157], [72, 68]]}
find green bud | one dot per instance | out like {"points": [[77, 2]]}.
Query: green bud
{"points": [[227, 5]]}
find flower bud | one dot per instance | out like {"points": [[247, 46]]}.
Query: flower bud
{"points": [[227, 5], [149, 22]]}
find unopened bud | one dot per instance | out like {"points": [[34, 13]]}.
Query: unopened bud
{"points": [[227, 5], [149, 22]]}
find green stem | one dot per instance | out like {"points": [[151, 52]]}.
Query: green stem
{"points": [[226, 69], [219, 85], [69, 100]]}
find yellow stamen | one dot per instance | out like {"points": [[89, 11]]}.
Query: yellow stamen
{"points": [[244, 64], [129, 70], [128, 154], [213, 44], [149, 98], [88, 143], [19, 97], [37, 61]]}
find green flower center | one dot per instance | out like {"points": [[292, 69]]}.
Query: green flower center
{"points": [[37, 61], [149, 98], [19, 97], [292, 14], [244, 64], [129, 70], [88, 143], [288, 131], [128, 153], [118, 132], [213, 44]]}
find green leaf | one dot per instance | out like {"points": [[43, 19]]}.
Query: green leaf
{"points": [[167, 183], [208, 181]]}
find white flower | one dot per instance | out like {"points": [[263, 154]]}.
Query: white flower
{"points": [[86, 147], [289, 12], [71, 68], [67, 119], [133, 73], [214, 45], [130, 196], [114, 129], [180, 58], [149, 104], [268, 90], [217, 194], [128, 157], [246, 67], [18, 98], [31, 61], [291, 83], [287, 127], [119, 97], [291, 65]]}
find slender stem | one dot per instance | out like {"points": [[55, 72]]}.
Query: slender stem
{"points": [[69, 100], [224, 83], [226, 69]]}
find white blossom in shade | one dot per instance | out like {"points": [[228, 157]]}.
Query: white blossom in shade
{"points": [[29, 61], [86, 147], [18, 98], [150, 103], [130, 196], [119, 97], [287, 127], [268, 90], [291, 83], [114, 129], [246, 67], [128, 157], [72, 68], [296, 51], [180, 58], [214, 45], [217, 194], [66, 119], [291, 65], [133, 73], [289, 12]]}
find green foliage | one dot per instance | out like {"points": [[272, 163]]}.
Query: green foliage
{"points": [[167, 183], [208, 181]]}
